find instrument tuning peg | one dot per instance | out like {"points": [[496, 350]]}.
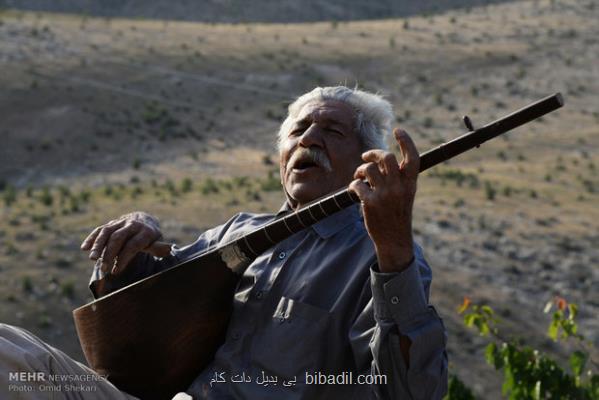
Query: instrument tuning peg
{"points": [[468, 122], [469, 126]]}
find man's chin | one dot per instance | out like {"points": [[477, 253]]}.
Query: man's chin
{"points": [[301, 194]]}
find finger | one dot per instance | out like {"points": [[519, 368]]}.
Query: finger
{"points": [[115, 244], [376, 156], [411, 159], [371, 172], [103, 237], [89, 240], [159, 249], [386, 160], [361, 188], [134, 245]]}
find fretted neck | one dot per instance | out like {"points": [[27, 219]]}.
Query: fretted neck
{"points": [[283, 227]]}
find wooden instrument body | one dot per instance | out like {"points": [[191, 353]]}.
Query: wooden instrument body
{"points": [[157, 346]]}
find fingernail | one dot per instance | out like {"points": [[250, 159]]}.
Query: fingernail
{"points": [[94, 255], [114, 270]]}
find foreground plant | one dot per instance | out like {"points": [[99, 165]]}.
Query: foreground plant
{"points": [[528, 373]]}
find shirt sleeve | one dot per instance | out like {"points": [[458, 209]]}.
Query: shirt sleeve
{"points": [[400, 305], [144, 264]]}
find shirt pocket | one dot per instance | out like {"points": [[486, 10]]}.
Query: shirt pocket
{"points": [[293, 341]]}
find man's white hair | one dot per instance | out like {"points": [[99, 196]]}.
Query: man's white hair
{"points": [[373, 114]]}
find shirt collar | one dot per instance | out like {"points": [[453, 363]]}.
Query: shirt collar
{"points": [[333, 223]]}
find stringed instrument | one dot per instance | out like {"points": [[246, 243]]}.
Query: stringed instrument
{"points": [[153, 337]]}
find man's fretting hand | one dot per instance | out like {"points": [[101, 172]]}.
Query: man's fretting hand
{"points": [[119, 240], [387, 201]]}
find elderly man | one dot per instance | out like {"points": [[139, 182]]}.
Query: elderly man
{"points": [[341, 308]]}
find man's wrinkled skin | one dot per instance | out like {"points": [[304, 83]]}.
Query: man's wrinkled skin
{"points": [[327, 128], [388, 200], [121, 239]]}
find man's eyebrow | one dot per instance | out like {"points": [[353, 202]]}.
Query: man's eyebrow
{"points": [[302, 121], [323, 117]]}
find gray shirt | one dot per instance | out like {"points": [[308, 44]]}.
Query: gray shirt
{"points": [[314, 314]]}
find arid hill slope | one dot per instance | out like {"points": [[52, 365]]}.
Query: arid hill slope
{"points": [[103, 116]]}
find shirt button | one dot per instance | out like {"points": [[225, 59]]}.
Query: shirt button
{"points": [[259, 294], [394, 300], [236, 336], [282, 255], [282, 319]]}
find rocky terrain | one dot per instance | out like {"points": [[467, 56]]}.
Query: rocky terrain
{"points": [[101, 116]]}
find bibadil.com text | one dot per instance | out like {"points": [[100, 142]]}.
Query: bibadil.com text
{"points": [[344, 378]]}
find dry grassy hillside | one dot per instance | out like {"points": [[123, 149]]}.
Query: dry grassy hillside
{"points": [[103, 116], [235, 11]]}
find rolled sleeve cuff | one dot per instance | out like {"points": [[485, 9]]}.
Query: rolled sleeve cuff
{"points": [[398, 296]]}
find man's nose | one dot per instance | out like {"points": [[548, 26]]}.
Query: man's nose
{"points": [[311, 137]]}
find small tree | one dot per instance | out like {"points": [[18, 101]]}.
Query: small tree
{"points": [[528, 373]]}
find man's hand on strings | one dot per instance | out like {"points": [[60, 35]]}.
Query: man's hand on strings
{"points": [[387, 201], [118, 241]]}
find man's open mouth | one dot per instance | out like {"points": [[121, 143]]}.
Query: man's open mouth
{"points": [[304, 165]]}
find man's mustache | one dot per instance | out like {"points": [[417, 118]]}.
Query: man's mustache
{"points": [[311, 155]]}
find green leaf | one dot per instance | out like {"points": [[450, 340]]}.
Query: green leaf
{"points": [[553, 330], [458, 390], [573, 308], [536, 395], [574, 328], [493, 356], [487, 310], [469, 319], [490, 353], [567, 329], [508, 383], [578, 360], [484, 328], [594, 386]]}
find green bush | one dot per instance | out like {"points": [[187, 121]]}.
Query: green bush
{"points": [[169, 185], [186, 185], [27, 284], [9, 195], [490, 191], [209, 186], [528, 373], [457, 176], [46, 197], [457, 390]]}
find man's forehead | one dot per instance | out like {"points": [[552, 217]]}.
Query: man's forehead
{"points": [[330, 110]]}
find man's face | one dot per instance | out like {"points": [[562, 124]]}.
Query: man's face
{"points": [[320, 152]]}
